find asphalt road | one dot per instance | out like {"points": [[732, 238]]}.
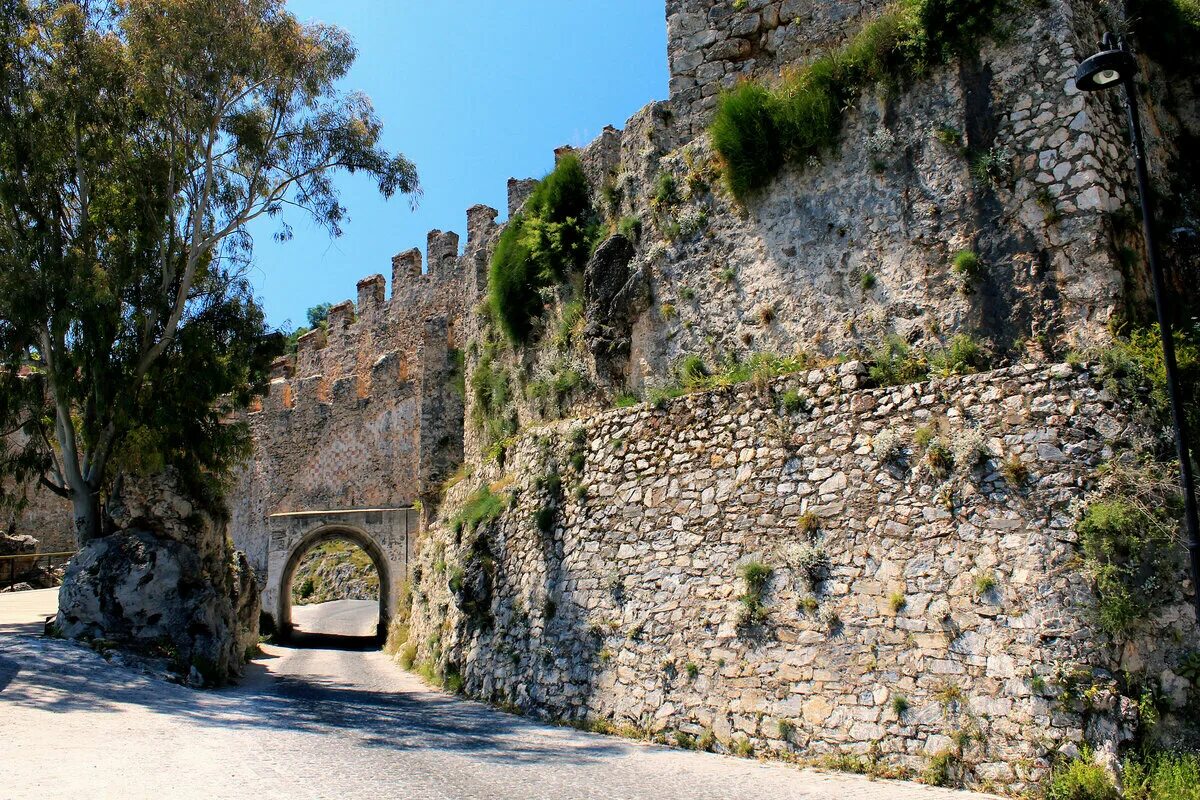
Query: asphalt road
{"points": [[337, 618], [327, 723]]}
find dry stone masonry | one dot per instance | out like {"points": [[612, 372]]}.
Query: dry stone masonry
{"points": [[911, 612]]}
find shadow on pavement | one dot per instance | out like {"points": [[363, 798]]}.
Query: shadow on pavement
{"points": [[57, 677], [332, 641]]}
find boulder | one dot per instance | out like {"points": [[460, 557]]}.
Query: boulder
{"points": [[168, 582]]}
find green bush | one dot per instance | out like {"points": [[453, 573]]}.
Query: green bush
{"points": [[1081, 779], [757, 129], [481, 507], [551, 238], [691, 370], [967, 265], [1162, 776], [491, 392], [755, 574], [894, 363], [745, 133], [1134, 367], [963, 356], [1131, 553]]}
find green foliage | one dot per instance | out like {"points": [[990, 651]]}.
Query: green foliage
{"points": [[335, 570], [939, 770], [742, 748], [570, 325], [792, 401], [894, 363], [897, 602], [923, 437], [627, 400], [124, 205], [746, 135], [963, 356], [1134, 367], [1081, 779], [631, 228], [967, 265], [666, 191], [1130, 550], [491, 392], [544, 518], [551, 238], [899, 705], [939, 457], [757, 129], [691, 371], [480, 508], [867, 281], [985, 584], [318, 315], [755, 575], [1162, 776], [1014, 471]]}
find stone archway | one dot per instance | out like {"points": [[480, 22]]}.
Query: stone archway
{"points": [[386, 535], [324, 534]]}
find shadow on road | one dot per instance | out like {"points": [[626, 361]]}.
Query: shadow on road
{"points": [[54, 679], [333, 641]]}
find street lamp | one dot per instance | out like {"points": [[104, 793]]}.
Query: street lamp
{"points": [[1115, 66]]}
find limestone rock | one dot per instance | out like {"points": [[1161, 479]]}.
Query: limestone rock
{"points": [[140, 589], [165, 581]]}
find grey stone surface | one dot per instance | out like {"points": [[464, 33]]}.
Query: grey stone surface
{"points": [[166, 578], [627, 608], [330, 724]]}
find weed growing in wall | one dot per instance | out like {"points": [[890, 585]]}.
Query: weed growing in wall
{"points": [[755, 575], [1131, 552], [895, 363], [757, 129], [481, 507], [1134, 368], [551, 238], [1161, 776]]}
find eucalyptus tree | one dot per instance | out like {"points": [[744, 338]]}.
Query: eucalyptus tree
{"points": [[138, 140]]}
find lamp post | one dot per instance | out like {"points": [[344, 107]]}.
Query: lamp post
{"points": [[1115, 66]]}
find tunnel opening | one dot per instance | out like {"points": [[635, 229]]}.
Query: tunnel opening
{"points": [[334, 592]]}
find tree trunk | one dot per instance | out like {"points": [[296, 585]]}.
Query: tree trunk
{"points": [[87, 516]]}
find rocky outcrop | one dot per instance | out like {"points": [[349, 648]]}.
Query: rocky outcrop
{"points": [[165, 583], [336, 570], [615, 296]]}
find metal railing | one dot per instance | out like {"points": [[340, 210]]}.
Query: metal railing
{"points": [[14, 569]]}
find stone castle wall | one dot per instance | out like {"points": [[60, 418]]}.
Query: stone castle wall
{"points": [[626, 608], [834, 256], [365, 414]]}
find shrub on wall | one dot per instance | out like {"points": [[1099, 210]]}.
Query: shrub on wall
{"points": [[1131, 552], [548, 240], [757, 129]]}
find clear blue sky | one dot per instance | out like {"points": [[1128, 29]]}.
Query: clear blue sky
{"points": [[474, 92]]}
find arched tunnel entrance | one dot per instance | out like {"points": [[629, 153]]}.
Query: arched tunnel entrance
{"points": [[335, 589], [384, 537]]}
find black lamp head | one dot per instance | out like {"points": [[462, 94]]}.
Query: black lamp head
{"points": [[1106, 69]]}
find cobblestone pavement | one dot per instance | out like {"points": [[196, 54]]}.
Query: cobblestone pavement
{"points": [[328, 724]]}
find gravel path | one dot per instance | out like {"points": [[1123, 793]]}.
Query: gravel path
{"points": [[311, 723]]}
